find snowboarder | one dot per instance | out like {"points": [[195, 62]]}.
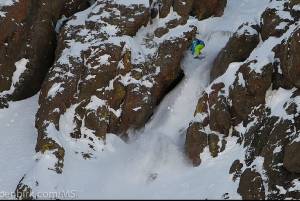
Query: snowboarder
{"points": [[197, 47]]}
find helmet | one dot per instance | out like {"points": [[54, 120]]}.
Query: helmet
{"points": [[201, 42]]}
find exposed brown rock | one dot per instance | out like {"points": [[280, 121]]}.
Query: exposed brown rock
{"points": [[219, 115], [294, 12], [196, 141], [214, 148], [291, 157], [72, 6], [270, 24], [290, 62], [251, 186], [236, 169], [204, 9], [199, 8], [28, 25], [165, 6], [244, 98], [183, 7], [238, 49]]}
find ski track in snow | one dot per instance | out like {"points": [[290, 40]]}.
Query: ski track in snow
{"points": [[152, 164]]}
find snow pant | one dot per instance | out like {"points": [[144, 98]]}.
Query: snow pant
{"points": [[197, 50]]}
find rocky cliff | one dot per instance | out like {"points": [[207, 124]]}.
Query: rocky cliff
{"points": [[28, 43], [103, 67], [112, 65], [254, 95]]}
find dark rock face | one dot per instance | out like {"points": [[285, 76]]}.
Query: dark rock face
{"points": [[290, 62], [238, 49], [236, 169], [274, 24], [291, 157], [163, 7], [241, 104], [204, 9], [253, 190], [196, 141], [219, 113], [28, 42], [270, 21], [183, 7], [70, 7], [200, 8], [244, 98]]}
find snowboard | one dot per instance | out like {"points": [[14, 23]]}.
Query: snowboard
{"points": [[201, 57]]}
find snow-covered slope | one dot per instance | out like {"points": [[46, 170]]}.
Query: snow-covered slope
{"points": [[152, 164], [18, 138]]}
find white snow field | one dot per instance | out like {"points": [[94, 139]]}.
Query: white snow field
{"points": [[152, 164], [18, 139]]}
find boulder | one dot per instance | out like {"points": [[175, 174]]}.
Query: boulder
{"points": [[293, 7], [164, 8], [199, 8], [291, 157], [28, 25], [219, 114], [196, 141], [272, 24], [238, 49], [203, 9], [290, 62], [251, 186], [236, 169], [249, 90], [183, 7]]}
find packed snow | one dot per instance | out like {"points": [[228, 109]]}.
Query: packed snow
{"points": [[152, 164], [17, 75], [18, 139], [20, 69]]}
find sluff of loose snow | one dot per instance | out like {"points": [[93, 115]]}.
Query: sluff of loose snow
{"points": [[18, 138], [153, 163]]}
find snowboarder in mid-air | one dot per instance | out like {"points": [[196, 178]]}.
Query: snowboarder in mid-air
{"points": [[197, 47]]}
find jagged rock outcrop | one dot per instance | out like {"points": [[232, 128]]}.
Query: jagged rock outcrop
{"points": [[291, 157], [200, 8], [238, 49], [162, 8], [28, 42], [253, 190], [256, 101], [204, 9], [276, 20], [289, 60]]}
